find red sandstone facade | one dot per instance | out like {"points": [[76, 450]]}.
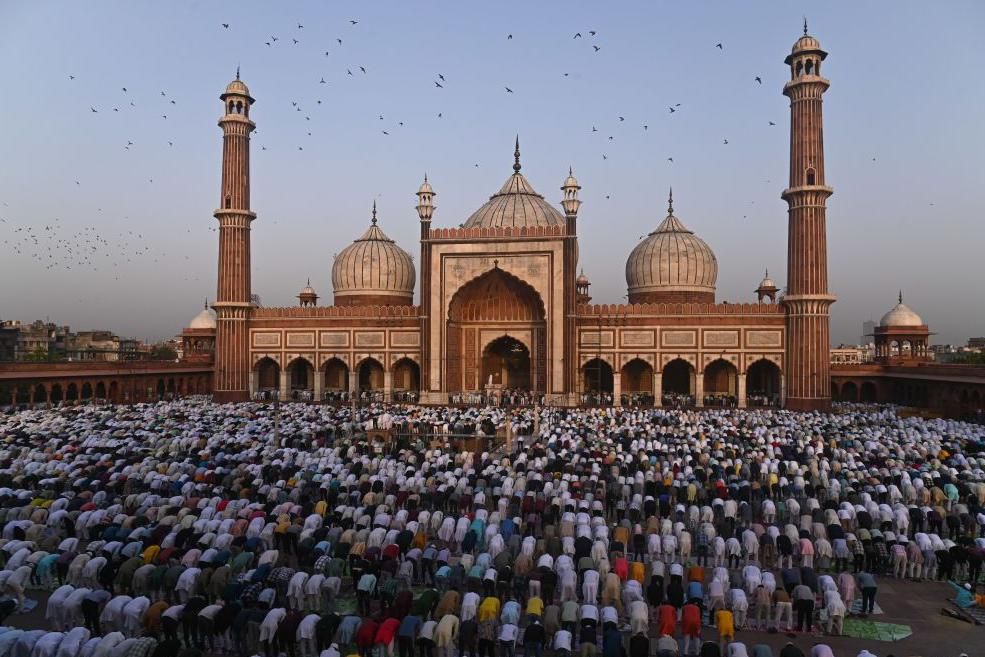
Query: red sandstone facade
{"points": [[502, 305]]}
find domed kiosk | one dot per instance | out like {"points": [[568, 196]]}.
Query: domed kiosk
{"points": [[373, 270]]}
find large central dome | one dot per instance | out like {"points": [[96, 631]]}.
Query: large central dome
{"points": [[671, 265], [373, 270], [515, 205]]}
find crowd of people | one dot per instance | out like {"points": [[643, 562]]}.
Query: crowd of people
{"points": [[185, 527]]}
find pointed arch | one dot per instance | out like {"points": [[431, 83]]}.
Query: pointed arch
{"points": [[406, 376], [300, 374], [678, 378], [721, 379], [267, 374], [370, 374], [335, 375]]}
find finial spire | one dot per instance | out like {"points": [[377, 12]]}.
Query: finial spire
{"points": [[206, 303], [767, 273], [425, 176], [670, 202], [901, 296], [237, 71], [805, 25], [570, 171], [309, 282], [516, 156], [374, 213]]}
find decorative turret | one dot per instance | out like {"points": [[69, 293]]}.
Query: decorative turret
{"points": [[581, 288], [570, 189], [307, 296], [767, 289], [425, 201]]}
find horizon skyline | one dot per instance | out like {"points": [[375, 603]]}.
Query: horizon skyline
{"points": [[624, 192]]}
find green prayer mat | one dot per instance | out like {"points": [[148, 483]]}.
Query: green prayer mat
{"points": [[874, 630]]}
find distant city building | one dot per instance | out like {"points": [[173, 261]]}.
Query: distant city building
{"points": [[848, 355], [977, 343], [868, 330], [92, 345]]}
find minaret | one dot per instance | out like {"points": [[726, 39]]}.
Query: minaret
{"points": [[233, 298], [425, 210], [807, 301], [571, 205]]}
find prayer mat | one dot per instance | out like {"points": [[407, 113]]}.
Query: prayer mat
{"points": [[875, 631]]}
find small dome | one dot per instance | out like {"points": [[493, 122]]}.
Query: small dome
{"points": [[671, 264], [582, 279], [425, 187], [307, 290], [237, 87], [515, 205], [373, 270], [806, 42], [900, 316], [203, 320], [767, 283], [570, 181]]}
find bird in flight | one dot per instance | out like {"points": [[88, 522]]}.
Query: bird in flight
{"points": [[300, 26], [672, 109], [604, 156], [322, 81], [348, 71], [597, 48], [771, 123], [438, 85], [508, 90], [340, 41], [719, 46], [226, 25], [353, 22], [385, 132], [441, 77], [592, 32], [594, 129], [645, 126], [296, 42], [124, 89], [93, 110], [670, 159], [577, 35], [71, 77], [362, 69], [509, 36], [273, 38], [439, 115], [622, 118], [726, 141], [759, 79]]}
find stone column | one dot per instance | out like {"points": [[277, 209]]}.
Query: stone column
{"points": [[319, 382], [387, 386], [616, 387], [284, 385], [699, 389], [742, 391], [253, 383], [658, 385], [354, 384]]}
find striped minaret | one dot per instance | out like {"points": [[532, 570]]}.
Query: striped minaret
{"points": [[807, 301], [233, 297]]}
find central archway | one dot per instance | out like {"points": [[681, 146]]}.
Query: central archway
{"points": [[506, 362], [496, 325], [678, 377]]}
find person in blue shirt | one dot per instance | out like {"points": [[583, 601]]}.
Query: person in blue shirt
{"points": [[696, 593]]}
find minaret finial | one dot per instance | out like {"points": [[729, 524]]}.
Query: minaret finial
{"points": [[767, 273], [237, 71], [309, 281], [206, 303], [374, 213], [425, 176], [570, 171], [805, 25], [901, 296], [516, 156], [670, 202]]}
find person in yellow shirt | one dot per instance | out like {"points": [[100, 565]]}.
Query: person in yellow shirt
{"points": [[535, 606], [726, 625], [489, 609]]}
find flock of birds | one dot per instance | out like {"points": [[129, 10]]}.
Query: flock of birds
{"points": [[54, 246]]}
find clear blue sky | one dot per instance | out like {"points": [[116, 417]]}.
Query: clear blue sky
{"points": [[903, 133]]}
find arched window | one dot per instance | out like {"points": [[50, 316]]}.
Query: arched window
{"points": [[809, 67], [232, 107], [811, 177], [800, 68], [239, 107]]}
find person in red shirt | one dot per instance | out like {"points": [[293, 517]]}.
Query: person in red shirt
{"points": [[386, 634], [366, 636], [668, 620], [621, 567], [691, 627]]}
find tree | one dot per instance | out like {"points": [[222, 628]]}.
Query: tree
{"points": [[163, 352], [38, 355]]}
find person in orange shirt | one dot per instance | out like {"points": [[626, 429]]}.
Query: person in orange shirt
{"points": [[668, 620], [695, 573], [691, 627]]}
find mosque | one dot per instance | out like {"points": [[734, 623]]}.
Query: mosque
{"points": [[503, 305]]}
